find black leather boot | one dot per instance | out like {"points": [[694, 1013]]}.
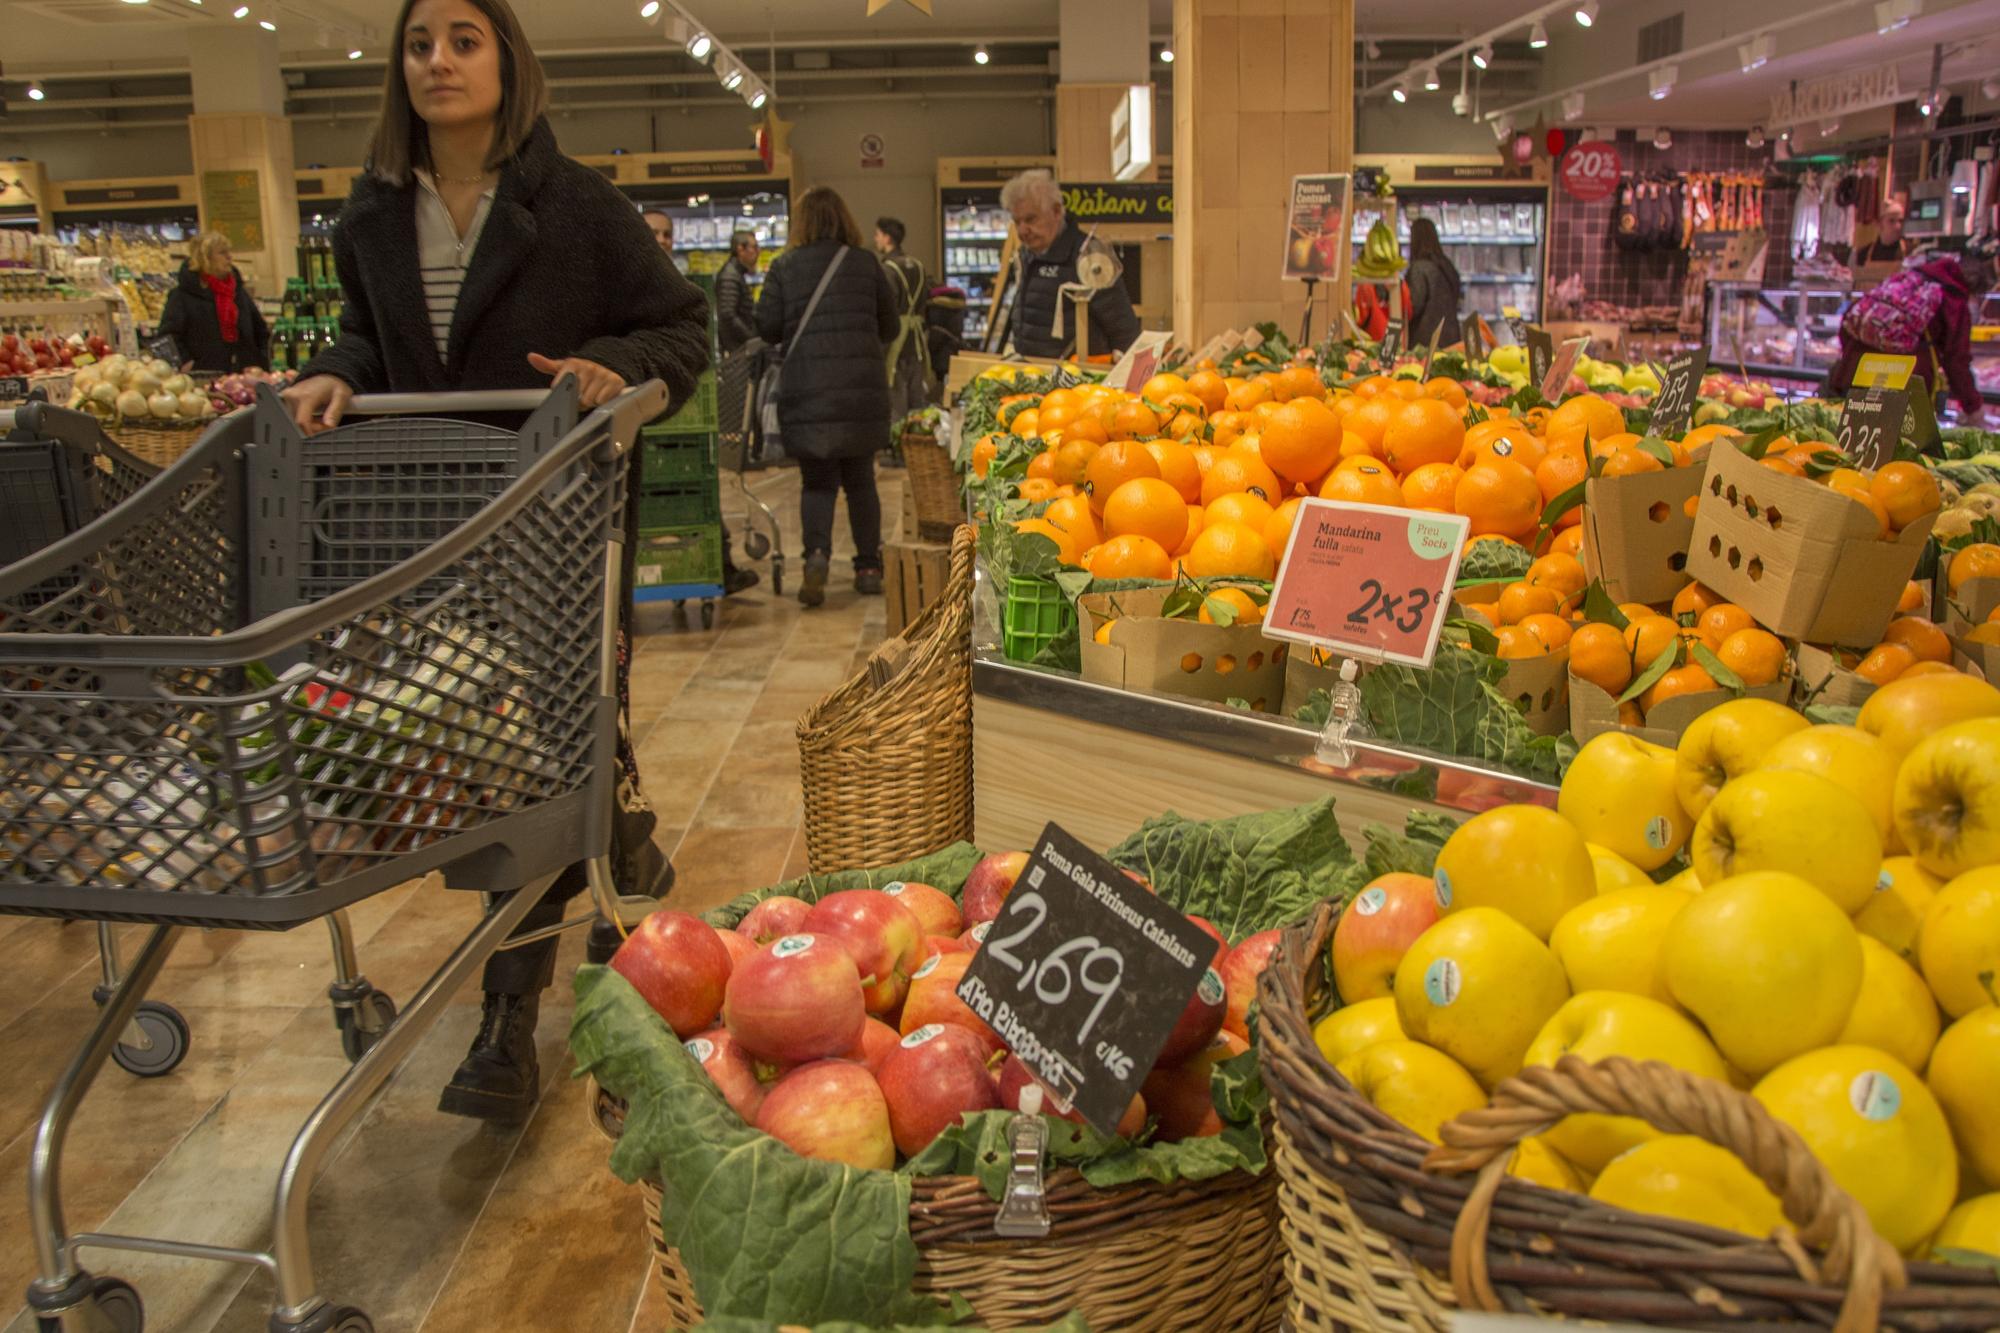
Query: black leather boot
{"points": [[500, 1078]]}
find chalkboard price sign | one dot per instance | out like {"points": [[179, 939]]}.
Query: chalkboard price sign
{"points": [[1084, 974], [1871, 425], [1392, 343], [1674, 408], [1541, 353]]}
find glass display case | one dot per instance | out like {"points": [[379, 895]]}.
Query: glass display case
{"points": [[1986, 346], [1493, 236], [1775, 330], [974, 232], [704, 222]]}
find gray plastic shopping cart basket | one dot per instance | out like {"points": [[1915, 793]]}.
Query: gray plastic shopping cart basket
{"points": [[288, 674]]}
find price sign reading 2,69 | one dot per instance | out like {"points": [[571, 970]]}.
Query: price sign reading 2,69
{"points": [[1084, 974]]}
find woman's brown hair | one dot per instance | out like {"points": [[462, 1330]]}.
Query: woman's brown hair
{"points": [[822, 216], [401, 138]]}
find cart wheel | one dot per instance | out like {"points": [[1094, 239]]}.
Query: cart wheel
{"points": [[166, 1034], [326, 1319], [112, 1306], [363, 1025], [755, 544], [708, 615], [347, 1319]]}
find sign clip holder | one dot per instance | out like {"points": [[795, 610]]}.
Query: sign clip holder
{"points": [[1024, 1209]]}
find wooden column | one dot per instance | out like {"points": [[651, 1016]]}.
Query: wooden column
{"points": [[1263, 91], [244, 174]]}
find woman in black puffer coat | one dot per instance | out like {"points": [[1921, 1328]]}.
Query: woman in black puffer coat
{"points": [[833, 397]]}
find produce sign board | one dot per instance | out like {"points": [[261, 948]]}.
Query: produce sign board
{"points": [[1475, 340], [1392, 343], [1316, 233], [13, 387], [1871, 424], [1674, 407], [1590, 170], [1563, 362], [1367, 580], [1084, 974], [232, 204], [1541, 352]]}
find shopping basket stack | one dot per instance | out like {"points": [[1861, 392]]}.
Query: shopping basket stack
{"points": [[680, 498], [284, 676]]}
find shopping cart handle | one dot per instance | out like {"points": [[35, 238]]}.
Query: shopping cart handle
{"points": [[424, 404]]}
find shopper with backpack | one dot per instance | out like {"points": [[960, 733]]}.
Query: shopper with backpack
{"points": [[1923, 311]]}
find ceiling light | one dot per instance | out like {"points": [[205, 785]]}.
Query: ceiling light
{"points": [[1586, 13], [1660, 83], [1503, 127], [1482, 57], [1374, 49], [1166, 55], [759, 95], [267, 25], [1573, 107], [135, 2], [355, 54], [1431, 83], [1927, 105], [1401, 92], [240, 12], [979, 56], [700, 44], [1990, 89], [650, 10], [1756, 53], [1538, 35], [1755, 138], [1663, 138], [36, 92], [1829, 129], [1893, 14], [730, 72]]}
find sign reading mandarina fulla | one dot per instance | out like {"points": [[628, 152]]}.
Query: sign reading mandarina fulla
{"points": [[1367, 580]]}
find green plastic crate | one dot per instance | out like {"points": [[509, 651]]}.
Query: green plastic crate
{"points": [[1035, 615], [669, 556], [680, 506], [696, 416], [676, 460]]}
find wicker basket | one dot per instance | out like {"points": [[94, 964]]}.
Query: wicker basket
{"points": [[887, 769], [160, 444], [933, 487], [1373, 1214]]}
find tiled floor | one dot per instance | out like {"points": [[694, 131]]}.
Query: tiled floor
{"points": [[425, 1221]]}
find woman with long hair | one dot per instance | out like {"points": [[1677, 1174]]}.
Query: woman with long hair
{"points": [[833, 395], [474, 256], [1434, 287], [210, 314]]}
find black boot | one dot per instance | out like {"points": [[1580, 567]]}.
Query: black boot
{"points": [[500, 1078], [813, 591], [868, 580]]}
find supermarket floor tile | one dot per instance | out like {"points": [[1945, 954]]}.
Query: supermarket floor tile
{"points": [[713, 865]]}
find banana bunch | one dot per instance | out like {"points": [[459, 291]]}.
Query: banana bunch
{"points": [[1381, 257]]}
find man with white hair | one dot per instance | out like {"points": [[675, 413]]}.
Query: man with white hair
{"points": [[1049, 245]]}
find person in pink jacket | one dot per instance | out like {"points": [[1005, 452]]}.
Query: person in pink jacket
{"points": [[1923, 311]]}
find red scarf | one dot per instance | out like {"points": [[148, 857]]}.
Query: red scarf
{"points": [[224, 288]]}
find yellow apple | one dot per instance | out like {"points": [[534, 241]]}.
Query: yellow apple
{"points": [[1878, 1131], [1526, 860], [1356, 1027], [1948, 798], [1768, 964], [1799, 823], [1479, 987], [1413, 1084], [1894, 1011], [1965, 1076], [1894, 913], [1614, 941], [1903, 712], [1679, 1175], [1972, 1226], [1596, 1024], [1539, 1164], [1619, 793], [1724, 743], [1848, 757], [1614, 871], [1687, 881], [1959, 948]]}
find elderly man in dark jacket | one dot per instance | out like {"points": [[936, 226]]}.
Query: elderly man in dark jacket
{"points": [[1050, 243], [735, 308]]}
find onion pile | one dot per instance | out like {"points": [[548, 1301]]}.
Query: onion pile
{"points": [[123, 389]]}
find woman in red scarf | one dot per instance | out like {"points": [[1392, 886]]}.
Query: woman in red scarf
{"points": [[211, 315]]}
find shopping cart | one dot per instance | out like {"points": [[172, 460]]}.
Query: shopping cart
{"points": [[287, 675]]}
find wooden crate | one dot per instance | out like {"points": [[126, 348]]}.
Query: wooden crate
{"points": [[914, 573], [907, 529], [966, 366]]}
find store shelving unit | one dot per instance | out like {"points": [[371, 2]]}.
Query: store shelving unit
{"points": [[1494, 237], [1776, 331]]}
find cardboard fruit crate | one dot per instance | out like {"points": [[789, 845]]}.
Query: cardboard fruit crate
{"points": [[1636, 531], [913, 576], [1153, 655], [1592, 711]]}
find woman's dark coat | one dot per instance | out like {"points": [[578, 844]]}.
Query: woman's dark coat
{"points": [[833, 398], [190, 320]]}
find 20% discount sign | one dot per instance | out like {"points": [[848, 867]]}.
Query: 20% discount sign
{"points": [[1367, 580], [1084, 974]]}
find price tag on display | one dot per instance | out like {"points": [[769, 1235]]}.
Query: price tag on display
{"points": [[166, 349], [1887, 369], [1871, 424], [1140, 362], [1557, 377], [1541, 352], [1674, 408], [1475, 339], [1590, 170], [1367, 580], [13, 388], [1084, 974], [1392, 343]]}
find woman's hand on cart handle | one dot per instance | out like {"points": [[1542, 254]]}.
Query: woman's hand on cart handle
{"points": [[317, 403], [595, 385]]}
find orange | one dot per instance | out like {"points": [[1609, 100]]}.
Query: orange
{"points": [[1483, 612], [1178, 467], [1695, 599], [1696, 442], [1560, 572], [1906, 490], [1162, 387], [1516, 642], [1611, 444], [1692, 678], [1247, 610], [1986, 634], [1630, 462], [1037, 489], [1043, 465], [1874, 506], [1026, 424], [1065, 544], [1916, 597], [1581, 417], [1637, 611], [1299, 382], [1185, 425], [1278, 527], [1501, 438], [1087, 428], [1568, 542], [1205, 456], [1362, 481], [1247, 395], [1782, 463], [1250, 510], [1848, 480], [1649, 636], [1424, 431], [1521, 600], [1721, 620], [1053, 419], [1432, 486], [1373, 386], [1195, 520], [1939, 668], [1355, 446], [1229, 549], [983, 454], [1371, 421], [1884, 662], [1562, 469], [1133, 421], [1072, 461], [1552, 630], [1446, 390], [1920, 636], [1980, 560], [1115, 464], [1499, 497], [1406, 389], [1149, 507], [1131, 557], [1756, 655], [1301, 440], [1209, 387], [1072, 514], [1239, 470], [1597, 653]]}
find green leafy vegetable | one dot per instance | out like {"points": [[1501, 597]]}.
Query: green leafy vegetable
{"points": [[1835, 715], [1455, 708], [1487, 561], [1315, 708], [1413, 851]]}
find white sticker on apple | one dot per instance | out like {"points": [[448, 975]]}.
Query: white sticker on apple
{"points": [[1442, 981], [923, 1034], [1210, 988], [1884, 881], [792, 945], [1659, 833], [700, 1048], [894, 888], [1874, 1095], [979, 932], [1371, 901], [930, 966], [1443, 882]]}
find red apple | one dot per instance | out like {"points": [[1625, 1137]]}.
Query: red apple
{"points": [[738, 946], [1015, 1076], [976, 936], [884, 938], [1142, 882], [1375, 932], [1239, 977], [931, 905], [937, 1074], [10, 341], [678, 966], [1201, 1018], [774, 918], [739, 1078], [795, 1000], [878, 1039], [989, 884], [937, 944], [831, 1110], [1179, 1095], [934, 998]]}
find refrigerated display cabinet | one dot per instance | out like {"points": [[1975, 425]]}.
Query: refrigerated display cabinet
{"points": [[1781, 331], [1495, 236]]}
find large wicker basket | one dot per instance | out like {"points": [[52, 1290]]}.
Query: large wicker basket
{"points": [[887, 769], [933, 487], [159, 444], [1373, 1214]]}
